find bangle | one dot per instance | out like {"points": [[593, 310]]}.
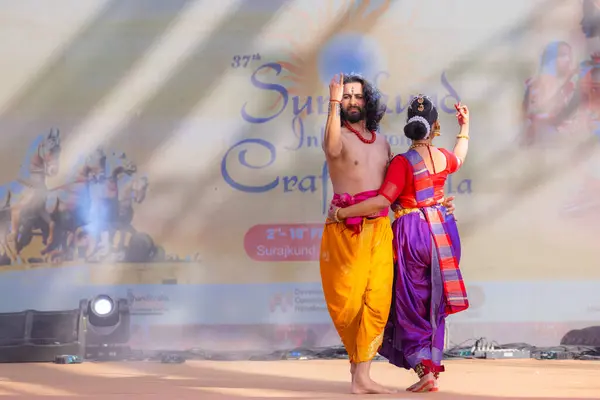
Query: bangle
{"points": [[336, 217], [335, 101], [462, 137], [334, 106]]}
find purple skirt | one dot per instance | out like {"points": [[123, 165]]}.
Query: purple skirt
{"points": [[415, 328]]}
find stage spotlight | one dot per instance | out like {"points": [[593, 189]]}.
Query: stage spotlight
{"points": [[102, 305], [107, 326]]}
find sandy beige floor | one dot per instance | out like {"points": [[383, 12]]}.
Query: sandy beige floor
{"points": [[293, 379]]}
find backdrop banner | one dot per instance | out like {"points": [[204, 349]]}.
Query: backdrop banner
{"points": [[170, 152]]}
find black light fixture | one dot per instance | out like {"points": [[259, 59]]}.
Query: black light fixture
{"points": [[41, 336], [107, 326]]}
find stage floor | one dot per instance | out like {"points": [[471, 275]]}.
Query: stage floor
{"points": [[464, 379]]}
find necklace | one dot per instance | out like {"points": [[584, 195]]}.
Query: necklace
{"points": [[421, 144], [359, 135]]}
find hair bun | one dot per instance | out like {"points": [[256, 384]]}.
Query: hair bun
{"points": [[415, 130]]}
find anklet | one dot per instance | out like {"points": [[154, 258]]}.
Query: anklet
{"points": [[421, 370]]}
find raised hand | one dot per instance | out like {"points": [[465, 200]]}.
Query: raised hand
{"points": [[462, 113], [336, 88]]}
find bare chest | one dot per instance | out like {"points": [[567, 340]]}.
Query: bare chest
{"points": [[365, 157]]}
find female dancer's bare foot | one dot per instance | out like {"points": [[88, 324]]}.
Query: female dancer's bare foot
{"points": [[435, 387], [425, 384]]}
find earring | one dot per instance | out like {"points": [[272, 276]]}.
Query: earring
{"points": [[436, 129]]}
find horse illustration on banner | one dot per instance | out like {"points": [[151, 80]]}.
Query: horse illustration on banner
{"points": [[26, 196], [80, 219], [134, 189]]}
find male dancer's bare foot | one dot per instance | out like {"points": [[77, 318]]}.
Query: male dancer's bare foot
{"points": [[368, 386], [426, 384], [362, 382]]}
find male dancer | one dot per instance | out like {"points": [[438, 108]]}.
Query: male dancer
{"points": [[357, 257]]}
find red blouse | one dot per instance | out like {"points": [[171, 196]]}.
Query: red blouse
{"points": [[399, 180]]}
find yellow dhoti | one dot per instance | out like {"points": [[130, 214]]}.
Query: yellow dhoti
{"points": [[357, 272]]}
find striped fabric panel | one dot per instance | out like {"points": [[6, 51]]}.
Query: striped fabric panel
{"points": [[454, 286]]}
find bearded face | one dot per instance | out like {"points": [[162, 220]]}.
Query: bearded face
{"points": [[353, 114]]}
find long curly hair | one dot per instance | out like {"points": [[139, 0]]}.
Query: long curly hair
{"points": [[374, 109]]}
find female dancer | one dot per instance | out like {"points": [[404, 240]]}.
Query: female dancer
{"points": [[428, 284]]}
